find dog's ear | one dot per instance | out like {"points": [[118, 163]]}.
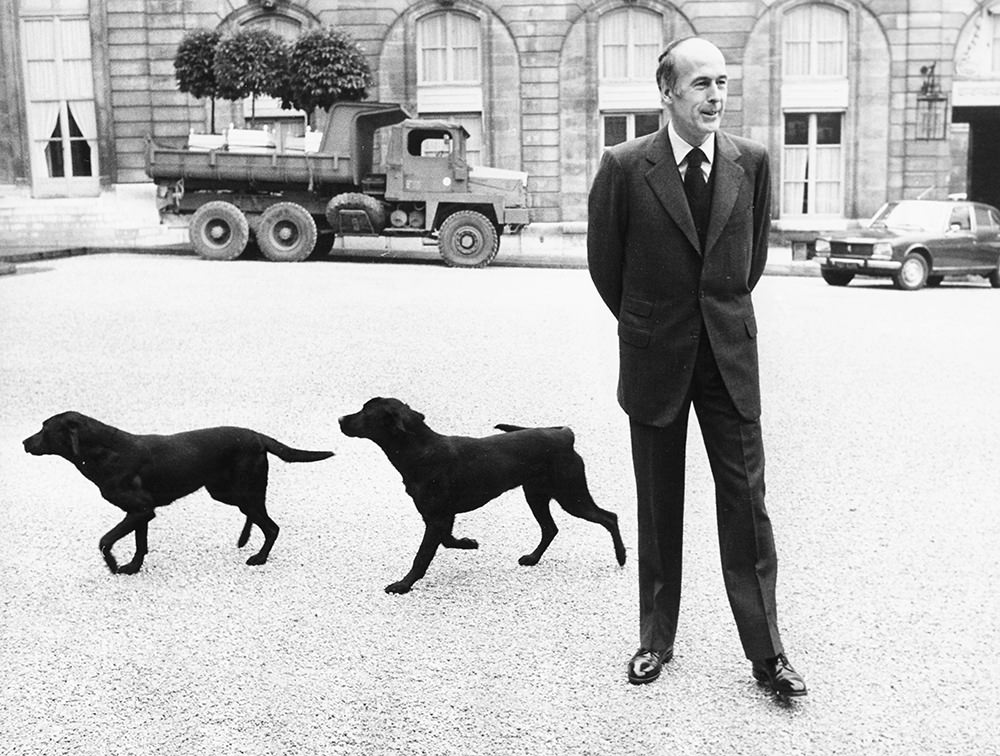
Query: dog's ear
{"points": [[394, 421], [72, 435]]}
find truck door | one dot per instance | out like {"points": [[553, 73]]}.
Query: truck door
{"points": [[433, 161]]}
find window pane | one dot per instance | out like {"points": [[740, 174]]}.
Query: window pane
{"points": [[614, 45], [615, 130], [431, 30], [828, 128], [983, 221], [466, 64], [797, 128], [433, 65], [646, 123]]}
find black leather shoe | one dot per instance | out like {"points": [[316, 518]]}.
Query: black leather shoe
{"points": [[779, 676], [645, 664]]}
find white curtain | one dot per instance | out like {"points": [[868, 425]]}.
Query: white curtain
{"points": [[42, 120]]}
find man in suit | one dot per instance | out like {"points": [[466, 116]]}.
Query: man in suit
{"points": [[677, 240]]}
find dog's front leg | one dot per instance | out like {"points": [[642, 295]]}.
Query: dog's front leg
{"points": [[434, 533], [131, 523], [141, 548]]}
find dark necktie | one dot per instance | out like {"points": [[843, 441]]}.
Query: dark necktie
{"points": [[697, 192]]}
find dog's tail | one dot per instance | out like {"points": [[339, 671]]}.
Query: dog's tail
{"points": [[563, 431], [288, 454], [509, 428]]}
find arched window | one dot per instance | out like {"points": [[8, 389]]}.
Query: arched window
{"points": [[448, 46], [815, 41], [814, 99], [630, 40], [59, 94], [449, 78]]}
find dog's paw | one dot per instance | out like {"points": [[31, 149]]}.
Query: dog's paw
{"points": [[129, 569], [110, 561], [256, 559], [465, 543], [528, 560], [398, 587]]}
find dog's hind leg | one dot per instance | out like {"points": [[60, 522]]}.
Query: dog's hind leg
{"points": [[538, 499], [258, 515], [133, 522], [573, 495], [435, 531], [244, 534]]}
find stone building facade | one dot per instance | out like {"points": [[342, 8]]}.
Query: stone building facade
{"points": [[858, 102]]}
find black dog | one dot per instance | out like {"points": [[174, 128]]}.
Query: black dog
{"points": [[446, 475], [139, 473]]}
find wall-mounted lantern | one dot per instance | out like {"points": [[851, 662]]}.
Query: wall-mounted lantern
{"points": [[932, 106]]}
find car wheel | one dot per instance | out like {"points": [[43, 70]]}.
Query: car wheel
{"points": [[837, 277], [286, 232], [468, 240], [219, 231], [913, 274], [994, 277], [933, 281]]}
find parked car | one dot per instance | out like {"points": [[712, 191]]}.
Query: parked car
{"points": [[916, 243]]}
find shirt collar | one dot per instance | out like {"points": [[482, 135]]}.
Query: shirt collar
{"points": [[682, 148]]}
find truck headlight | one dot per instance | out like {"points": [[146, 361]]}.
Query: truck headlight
{"points": [[822, 246], [882, 250]]}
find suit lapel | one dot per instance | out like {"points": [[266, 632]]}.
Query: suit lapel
{"points": [[665, 181], [727, 179]]}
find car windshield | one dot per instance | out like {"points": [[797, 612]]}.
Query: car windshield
{"points": [[912, 216]]}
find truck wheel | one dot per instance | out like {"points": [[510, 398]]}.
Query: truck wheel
{"points": [[286, 232], [219, 231], [468, 240], [374, 209]]}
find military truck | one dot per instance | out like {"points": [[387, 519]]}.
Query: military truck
{"points": [[287, 194]]}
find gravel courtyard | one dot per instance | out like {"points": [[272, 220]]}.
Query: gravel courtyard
{"points": [[882, 430]]}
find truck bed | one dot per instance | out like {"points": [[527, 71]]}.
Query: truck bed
{"points": [[222, 166]]}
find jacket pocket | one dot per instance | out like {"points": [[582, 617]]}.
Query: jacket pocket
{"points": [[636, 306], [751, 324], [637, 337]]}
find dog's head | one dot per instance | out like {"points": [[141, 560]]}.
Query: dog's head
{"points": [[60, 434], [382, 420]]}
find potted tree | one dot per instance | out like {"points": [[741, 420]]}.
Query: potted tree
{"points": [[324, 65], [249, 63], [195, 74]]}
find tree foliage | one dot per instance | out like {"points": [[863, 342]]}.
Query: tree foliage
{"points": [[249, 63], [325, 65], [193, 63]]}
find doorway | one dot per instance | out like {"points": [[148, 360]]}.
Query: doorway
{"points": [[59, 94]]}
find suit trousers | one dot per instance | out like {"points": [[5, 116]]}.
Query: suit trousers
{"points": [[749, 563]]}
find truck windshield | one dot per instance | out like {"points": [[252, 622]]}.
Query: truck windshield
{"points": [[429, 143]]}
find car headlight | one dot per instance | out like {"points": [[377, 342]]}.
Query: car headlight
{"points": [[882, 250], [822, 246]]}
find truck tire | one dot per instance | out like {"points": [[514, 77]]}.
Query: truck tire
{"points": [[374, 209], [219, 231], [468, 239], [286, 233]]}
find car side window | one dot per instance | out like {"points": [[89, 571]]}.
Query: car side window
{"points": [[960, 218], [984, 222]]}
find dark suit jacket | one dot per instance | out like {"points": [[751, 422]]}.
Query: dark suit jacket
{"points": [[646, 262]]}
